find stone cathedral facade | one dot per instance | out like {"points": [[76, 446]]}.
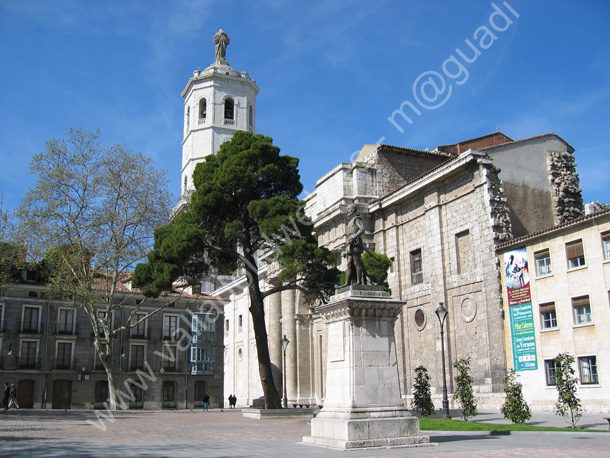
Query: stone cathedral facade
{"points": [[437, 214]]}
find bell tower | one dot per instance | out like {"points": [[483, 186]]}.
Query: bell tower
{"points": [[218, 101]]}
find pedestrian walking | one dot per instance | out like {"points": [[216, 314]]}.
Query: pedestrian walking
{"points": [[230, 401], [234, 401], [206, 401], [13, 397], [7, 392]]}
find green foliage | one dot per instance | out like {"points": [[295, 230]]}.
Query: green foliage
{"points": [[376, 266], [568, 404], [443, 424], [245, 201], [515, 408], [245, 209], [422, 399], [464, 394]]}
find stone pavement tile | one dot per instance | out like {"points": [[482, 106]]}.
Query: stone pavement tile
{"points": [[217, 434]]}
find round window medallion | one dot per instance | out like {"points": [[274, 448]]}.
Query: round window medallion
{"points": [[468, 309], [420, 319]]}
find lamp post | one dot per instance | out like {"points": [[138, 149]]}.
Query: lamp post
{"points": [[441, 313], [285, 343]]}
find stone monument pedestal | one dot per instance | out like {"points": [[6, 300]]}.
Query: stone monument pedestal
{"points": [[363, 406]]}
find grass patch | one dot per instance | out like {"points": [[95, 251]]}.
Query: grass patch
{"points": [[443, 424]]}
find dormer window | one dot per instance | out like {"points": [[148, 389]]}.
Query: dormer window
{"points": [[202, 110], [229, 110]]}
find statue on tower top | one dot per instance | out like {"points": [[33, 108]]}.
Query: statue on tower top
{"points": [[221, 39]]}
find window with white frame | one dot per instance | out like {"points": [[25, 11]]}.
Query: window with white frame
{"points": [[170, 326], [203, 107], [169, 358], [588, 370], [31, 319], [28, 354], [606, 245], [65, 321], [548, 315], [137, 356], [139, 331], [582, 310], [543, 263], [101, 317], [63, 358], [229, 109], [575, 254], [551, 367]]}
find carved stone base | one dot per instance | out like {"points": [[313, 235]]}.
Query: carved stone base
{"points": [[363, 406], [365, 428]]}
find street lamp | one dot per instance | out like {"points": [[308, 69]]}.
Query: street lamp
{"points": [[441, 313], [285, 343]]}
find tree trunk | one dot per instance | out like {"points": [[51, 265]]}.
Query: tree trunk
{"points": [[112, 388], [257, 311]]}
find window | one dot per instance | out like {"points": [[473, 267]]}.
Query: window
{"points": [[185, 183], [202, 359], [226, 325], [239, 322], [202, 110], [137, 357], [63, 360], [543, 263], [463, 252], [606, 245], [28, 353], [575, 254], [548, 316], [139, 331], [169, 389], [582, 310], [170, 326], [169, 358], [101, 391], [65, 321], [588, 370], [188, 119], [101, 317], [229, 109], [250, 116], [417, 276], [551, 367], [31, 318], [1, 318]]}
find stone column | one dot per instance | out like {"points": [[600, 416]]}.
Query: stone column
{"points": [[275, 336], [289, 330]]}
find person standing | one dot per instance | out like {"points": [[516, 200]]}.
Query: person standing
{"points": [[13, 397], [206, 401], [7, 392]]}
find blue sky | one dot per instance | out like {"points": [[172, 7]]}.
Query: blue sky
{"points": [[330, 74]]}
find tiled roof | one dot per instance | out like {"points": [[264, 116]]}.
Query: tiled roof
{"points": [[574, 222]]}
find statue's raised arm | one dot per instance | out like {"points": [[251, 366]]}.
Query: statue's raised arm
{"points": [[221, 40]]}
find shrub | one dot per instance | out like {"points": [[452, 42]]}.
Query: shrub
{"points": [[515, 408], [464, 394], [422, 399], [568, 404]]}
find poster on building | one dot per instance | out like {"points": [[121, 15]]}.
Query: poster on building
{"points": [[520, 307]]}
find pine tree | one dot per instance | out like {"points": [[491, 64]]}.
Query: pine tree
{"points": [[568, 404], [515, 408], [422, 399], [464, 394]]}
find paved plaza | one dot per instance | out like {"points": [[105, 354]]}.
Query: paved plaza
{"points": [[172, 434]]}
